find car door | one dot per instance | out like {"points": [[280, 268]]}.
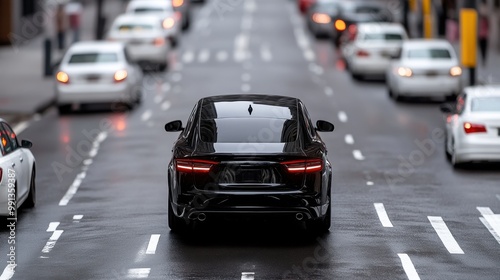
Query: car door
{"points": [[13, 159]]}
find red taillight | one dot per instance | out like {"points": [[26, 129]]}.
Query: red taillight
{"points": [[159, 42], [474, 128], [340, 25], [362, 53], [194, 165], [303, 166]]}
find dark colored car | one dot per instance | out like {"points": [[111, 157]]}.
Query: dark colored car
{"points": [[249, 154], [351, 13], [319, 17]]}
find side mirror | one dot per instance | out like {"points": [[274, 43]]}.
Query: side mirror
{"points": [[26, 144], [447, 108], [174, 126], [324, 126]]}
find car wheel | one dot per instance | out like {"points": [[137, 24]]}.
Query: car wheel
{"points": [[63, 109], [31, 200], [163, 66], [186, 24], [175, 223], [174, 42], [446, 148], [390, 93], [356, 77]]}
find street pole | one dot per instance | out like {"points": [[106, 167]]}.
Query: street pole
{"points": [[47, 44], [427, 13], [405, 10], [468, 38], [99, 31]]}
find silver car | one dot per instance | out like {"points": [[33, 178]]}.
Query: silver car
{"points": [[368, 47], [97, 72], [473, 125], [145, 37], [172, 20], [425, 68], [17, 173]]}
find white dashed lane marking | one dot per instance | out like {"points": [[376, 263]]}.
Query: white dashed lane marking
{"points": [[52, 241], [222, 56], [188, 57], [358, 155], [204, 56], [265, 53], [408, 267], [20, 127], [146, 115], [369, 183], [138, 273], [165, 106], [153, 243], [491, 221], [445, 235], [342, 116], [247, 275], [53, 226], [245, 87], [349, 139], [328, 91], [382, 215], [8, 272], [77, 217]]}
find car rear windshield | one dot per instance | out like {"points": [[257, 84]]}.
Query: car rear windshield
{"points": [[134, 27], [429, 53], [148, 10], [250, 130], [93, 58], [485, 104], [383, 37]]}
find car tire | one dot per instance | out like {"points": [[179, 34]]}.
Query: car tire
{"points": [[356, 77], [446, 151], [174, 42], [63, 109], [162, 67], [175, 223], [186, 24], [31, 200]]}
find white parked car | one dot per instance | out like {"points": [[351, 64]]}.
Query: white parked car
{"points": [[145, 37], [17, 172], [425, 68], [172, 20], [368, 48], [97, 72], [473, 125]]}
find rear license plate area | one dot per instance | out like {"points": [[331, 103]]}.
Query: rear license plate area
{"points": [[249, 176], [93, 78], [499, 132], [431, 73]]}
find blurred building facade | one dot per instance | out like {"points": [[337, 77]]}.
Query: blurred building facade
{"points": [[20, 20]]}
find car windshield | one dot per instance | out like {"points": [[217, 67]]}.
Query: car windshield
{"points": [[256, 130], [133, 27], [429, 53], [485, 104], [93, 58], [383, 37], [328, 8]]}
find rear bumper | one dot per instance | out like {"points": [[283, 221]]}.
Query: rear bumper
{"points": [[68, 94], [428, 86], [374, 66], [477, 151], [284, 204], [149, 53]]}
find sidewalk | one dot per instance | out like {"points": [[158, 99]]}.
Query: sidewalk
{"points": [[24, 90]]}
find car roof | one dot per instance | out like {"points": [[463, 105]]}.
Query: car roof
{"points": [[483, 91], [138, 18], [249, 106], [379, 27], [96, 46], [149, 3], [427, 43]]}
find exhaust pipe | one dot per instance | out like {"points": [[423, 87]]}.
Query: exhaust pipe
{"points": [[202, 217], [299, 216]]}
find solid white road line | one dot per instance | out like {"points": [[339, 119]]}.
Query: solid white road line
{"points": [[146, 115], [20, 127], [52, 241], [72, 189], [165, 105], [153, 243], [53, 226], [77, 217], [328, 91], [188, 57], [222, 56], [138, 273], [349, 139], [408, 267], [445, 235], [247, 275], [342, 116], [8, 272], [204, 56], [382, 215], [358, 155], [492, 219]]}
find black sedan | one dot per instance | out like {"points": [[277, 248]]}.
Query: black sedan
{"points": [[249, 155], [351, 13]]}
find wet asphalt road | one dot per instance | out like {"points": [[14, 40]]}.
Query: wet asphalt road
{"points": [[400, 211]]}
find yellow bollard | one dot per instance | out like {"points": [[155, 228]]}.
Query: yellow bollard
{"points": [[427, 13], [468, 37]]}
